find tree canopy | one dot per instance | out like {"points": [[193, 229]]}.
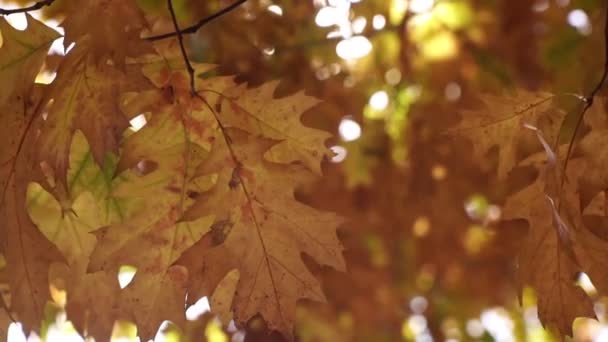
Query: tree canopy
{"points": [[315, 170]]}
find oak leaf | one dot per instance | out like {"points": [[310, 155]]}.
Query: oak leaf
{"points": [[153, 237], [558, 246], [114, 27], [68, 217], [260, 229], [86, 97], [28, 253], [257, 226], [546, 260], [94, 299], [258, 112], [501, 124]]}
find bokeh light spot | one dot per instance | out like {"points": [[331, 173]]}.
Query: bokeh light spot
{"points": [[378, 22], [421, 226], [353, 48], [379, 100], [349, 129], [453, 91]]}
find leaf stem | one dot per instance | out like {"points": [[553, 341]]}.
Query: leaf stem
{"points": [[180, 39], [194, 28], [38, 5]]}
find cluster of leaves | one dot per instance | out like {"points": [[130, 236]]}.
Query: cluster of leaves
{"points": [[564, 206], [200, 200]]}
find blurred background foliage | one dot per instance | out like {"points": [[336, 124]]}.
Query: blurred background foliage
{"points": [[428, 256]]}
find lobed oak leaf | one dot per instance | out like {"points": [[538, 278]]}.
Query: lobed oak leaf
{"points": [[28, 253], [67, 218], [66, 224], [21, 56], [258, 112], [173, 129], [114, 27], [86, 97], [257, 226], [558, 246], [546, 260], [67, 221], [86, 176], [154, 237], [500, 124], [253, 110], [94, 300], [260, 229]]}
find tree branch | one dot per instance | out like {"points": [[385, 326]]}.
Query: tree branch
{"points": [[180, 39], [197, 26], [38, 5], [590, 98]]}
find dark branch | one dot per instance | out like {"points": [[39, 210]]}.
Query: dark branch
{"points": [[180, 38], [589, 99], [38, 5], [197, 26]]}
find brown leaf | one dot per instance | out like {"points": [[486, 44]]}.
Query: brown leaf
{"points": [[114, 27], [258, 227], [500, 124], [268, 231], [27, 251], [558, 246], [86, 97], [257, 112]]}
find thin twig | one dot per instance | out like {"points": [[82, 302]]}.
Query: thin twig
{"points": [[589, 99], [197, 26], [180, 38], [38, 5]]}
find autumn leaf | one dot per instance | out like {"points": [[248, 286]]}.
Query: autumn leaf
{"points": [[222, 298], [86, 97], [500, 124], [136, 154], [67, 219], [546, 260], [68, 222], [257, 112], [258, 230], [67, 225], [94, 300], [116, 32], [23, 53], [250, 216], [85, 175], [27, 252], [153, 237], [558, 247]]}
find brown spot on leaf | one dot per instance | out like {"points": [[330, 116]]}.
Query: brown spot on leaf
{"points": [[220, 230], [235, 179]]}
